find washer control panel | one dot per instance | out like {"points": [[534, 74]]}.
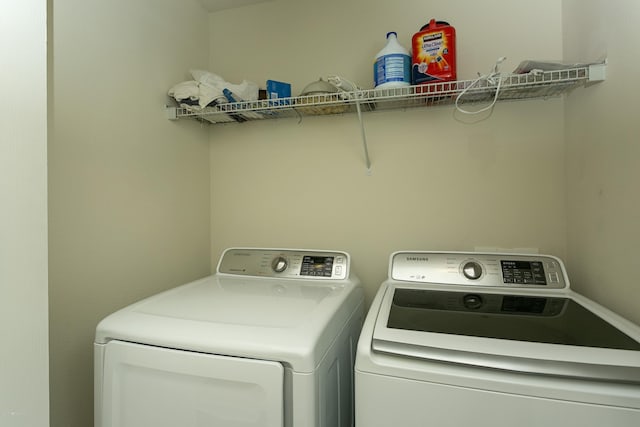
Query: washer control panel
{"points": [[285, 263], [481, 269]]}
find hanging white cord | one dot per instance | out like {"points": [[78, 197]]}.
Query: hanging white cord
{"points": [[364, 137], [491, 78], [348, 86]]}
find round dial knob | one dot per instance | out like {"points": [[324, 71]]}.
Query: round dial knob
{"points": [[279, 264], [472, 270]]}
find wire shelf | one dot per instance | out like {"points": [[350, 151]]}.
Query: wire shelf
{"points": [[512, 87]]}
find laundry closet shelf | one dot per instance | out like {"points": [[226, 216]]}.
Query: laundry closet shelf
{"points": [[512, 87]]}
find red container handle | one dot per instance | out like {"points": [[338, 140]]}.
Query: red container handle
{"points": [[433, 24]]}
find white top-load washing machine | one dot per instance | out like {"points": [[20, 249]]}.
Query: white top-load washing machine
{"points": [[492, 340], [269, 340]]}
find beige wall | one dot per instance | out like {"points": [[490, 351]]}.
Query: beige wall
{"points": [[128, 189], [24, 393], [437, 183], [602, 154], [137, 206]]}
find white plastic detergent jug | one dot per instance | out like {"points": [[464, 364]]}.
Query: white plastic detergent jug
{"points": [[393, 64]]}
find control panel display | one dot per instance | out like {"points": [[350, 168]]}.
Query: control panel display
{"points": [[285, 263], [316, 266], [523, 272], [479, 269]]}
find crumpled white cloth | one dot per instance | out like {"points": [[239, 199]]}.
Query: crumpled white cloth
{"points": [[207, 87], [185, 90]]}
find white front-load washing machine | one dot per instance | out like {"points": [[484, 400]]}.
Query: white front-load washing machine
{"points": [[492, 340], [268, 340]]}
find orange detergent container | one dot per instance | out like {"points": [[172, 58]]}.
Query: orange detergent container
{"points": [[433, 53]]}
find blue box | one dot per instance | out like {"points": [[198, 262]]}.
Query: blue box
{"points": [[277, 90]]}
